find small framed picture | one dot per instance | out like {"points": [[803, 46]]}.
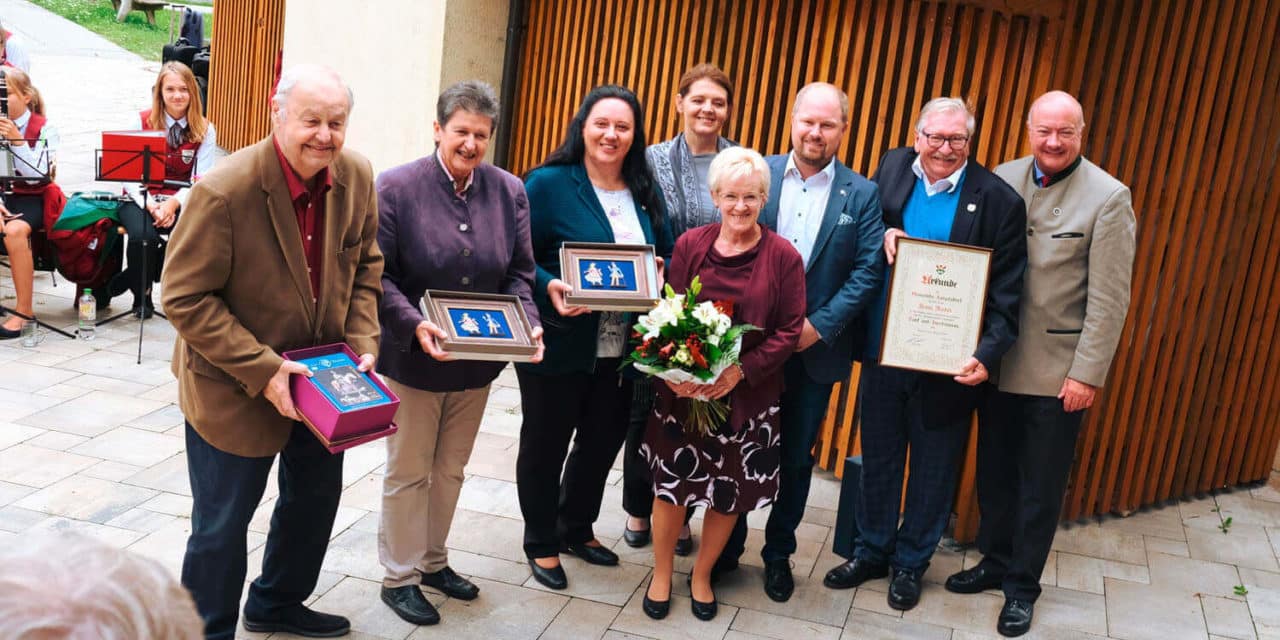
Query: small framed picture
{"points": [[481, 326], [610, 277]]}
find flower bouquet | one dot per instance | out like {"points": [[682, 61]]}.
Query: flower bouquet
{"points": [[683, 340]]}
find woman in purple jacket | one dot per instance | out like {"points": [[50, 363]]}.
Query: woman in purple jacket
{"points": [[447, 221]]}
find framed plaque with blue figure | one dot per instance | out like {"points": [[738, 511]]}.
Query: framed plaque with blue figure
{"points": [[481, 326], [610, 277]]}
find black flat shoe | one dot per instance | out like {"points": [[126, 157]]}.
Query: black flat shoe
{"points": [[778, 583], [451, 584], [635, 538], [409, 603], [144, 310], [975, 580], [552, 578], [9, 334], [299, 620], [593, 555], [656, 609], [703, 610], [684, 546], [904, 590], [1015, 617], [853, 573]]}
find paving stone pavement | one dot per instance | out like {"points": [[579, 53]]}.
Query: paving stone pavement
{"points": [[92, 442]]}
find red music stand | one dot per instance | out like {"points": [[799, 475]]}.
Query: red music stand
{"points": [[135, 157]]}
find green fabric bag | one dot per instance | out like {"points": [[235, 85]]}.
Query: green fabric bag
{"points": [[87, 207]]}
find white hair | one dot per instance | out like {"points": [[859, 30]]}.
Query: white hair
{"points": [[945, 105], [735, 163], [74, 587], [290, 77]]}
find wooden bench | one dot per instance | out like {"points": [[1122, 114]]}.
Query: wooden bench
{"points": [[148, 7]]}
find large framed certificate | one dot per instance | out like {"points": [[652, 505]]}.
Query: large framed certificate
{"points": [[933, 316]]}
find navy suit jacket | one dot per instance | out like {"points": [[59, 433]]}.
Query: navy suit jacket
{"points": [[563, 207], [989, 214], [844, 270]]}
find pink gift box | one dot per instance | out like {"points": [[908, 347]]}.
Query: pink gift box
{"points": [[339, 429]]}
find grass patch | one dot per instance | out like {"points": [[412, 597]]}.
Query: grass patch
{"points": [[134, 34]]}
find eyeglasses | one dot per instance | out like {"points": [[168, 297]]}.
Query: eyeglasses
{"points": [[752, 200], [935, 141], [1066, 135]]}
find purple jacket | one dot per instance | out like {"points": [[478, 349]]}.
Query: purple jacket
{"points": [[433, 239]]}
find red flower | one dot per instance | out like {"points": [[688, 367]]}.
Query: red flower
{"points": [[724, 306], [666, 351], [695, 351]]}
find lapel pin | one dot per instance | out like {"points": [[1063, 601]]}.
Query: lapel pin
{"points": [[1057, 211], [842, 192], [972, 207]]}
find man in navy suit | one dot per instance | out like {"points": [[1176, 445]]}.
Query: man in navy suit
{"points": [[932, 191], [832, 217]]}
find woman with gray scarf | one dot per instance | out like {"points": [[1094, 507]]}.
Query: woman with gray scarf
{"points": [[680, 166]]}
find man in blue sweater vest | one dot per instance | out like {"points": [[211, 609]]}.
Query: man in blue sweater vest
{"points": [[934, 192]]}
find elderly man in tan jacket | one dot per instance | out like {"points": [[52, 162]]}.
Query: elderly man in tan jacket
{"points": [[276, 250], [1080, 246]]}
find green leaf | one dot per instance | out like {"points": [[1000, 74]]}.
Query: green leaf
{"points": [[1240, 590]]}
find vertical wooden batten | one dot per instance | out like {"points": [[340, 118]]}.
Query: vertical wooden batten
{"points": [[1180, 101]]}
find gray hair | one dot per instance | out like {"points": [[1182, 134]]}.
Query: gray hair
{"points": [[735, 163], [946, 105], [473, 96], [76, 587], [840, 95], [290, 77]]}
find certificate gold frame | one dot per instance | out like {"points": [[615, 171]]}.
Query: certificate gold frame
{"points": [[610, 277], [481, 326], [934, 311]]}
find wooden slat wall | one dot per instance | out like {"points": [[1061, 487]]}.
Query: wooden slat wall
{"points": [[1181, 100], [242, 74]]}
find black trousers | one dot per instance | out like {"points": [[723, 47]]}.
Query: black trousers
{"points": [[1026, 445], [140, 228], [561, 489], [226, 489]]}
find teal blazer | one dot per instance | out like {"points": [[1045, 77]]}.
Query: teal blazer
{"points": [[564, 207]]}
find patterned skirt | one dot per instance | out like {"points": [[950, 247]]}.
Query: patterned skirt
{"points": [[731, 472]]}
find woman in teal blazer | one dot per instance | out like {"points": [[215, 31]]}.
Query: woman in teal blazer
{"points": [[596, 187]]}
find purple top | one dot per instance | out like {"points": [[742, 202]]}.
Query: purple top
{"points": [[766, 284], [432, 238]]}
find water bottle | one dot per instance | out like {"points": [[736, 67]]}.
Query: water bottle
{"points": [[88, 315]]}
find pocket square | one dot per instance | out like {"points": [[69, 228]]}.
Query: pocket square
{"points": [[845, 219]]}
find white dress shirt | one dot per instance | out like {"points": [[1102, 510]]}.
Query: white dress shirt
{"points": [[945, 185], [206, 153], [33, 159], [802, 203]]}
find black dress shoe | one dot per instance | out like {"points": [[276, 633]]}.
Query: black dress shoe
{"points": [[853, 573], [904, 590], [299, 620], [975, 580], [656, 609], [1015, 617], [593, 555], [778, 583], [451, 584], [409, 603], [684, 546], [703, 610], [635, 538], [145, 309], [552, 578]]}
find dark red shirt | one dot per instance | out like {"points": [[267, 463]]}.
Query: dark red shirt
{"points": [[308, 206]]}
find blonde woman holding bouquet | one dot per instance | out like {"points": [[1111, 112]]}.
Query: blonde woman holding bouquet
{"points": [[732, 469]]}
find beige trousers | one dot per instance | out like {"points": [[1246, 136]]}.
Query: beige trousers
{"points": [[425, 459]]}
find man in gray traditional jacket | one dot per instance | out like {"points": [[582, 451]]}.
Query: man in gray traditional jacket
{"points": [[1080, 246]]}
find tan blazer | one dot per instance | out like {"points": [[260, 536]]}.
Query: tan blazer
{"points": [[1080, 246], [237, 292]]}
